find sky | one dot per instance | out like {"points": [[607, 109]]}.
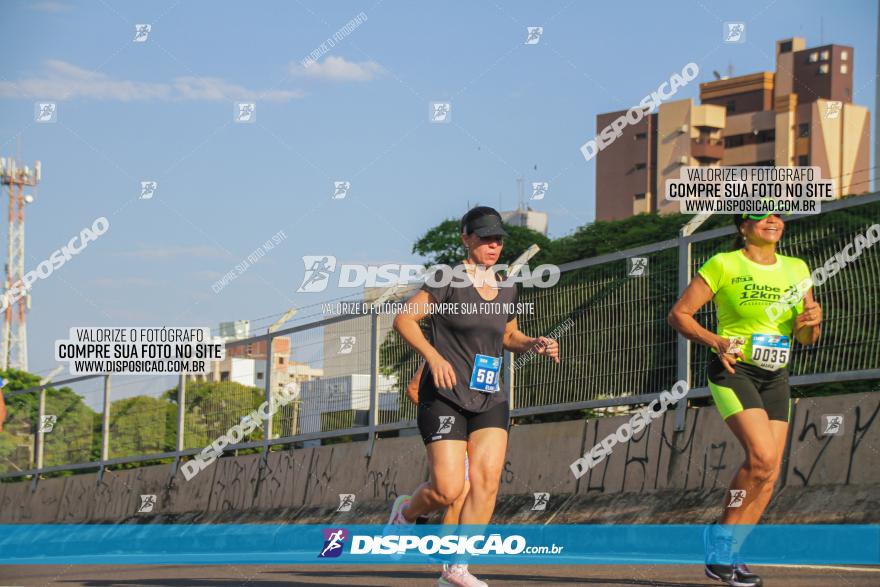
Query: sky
{"points": [[163, 110]]}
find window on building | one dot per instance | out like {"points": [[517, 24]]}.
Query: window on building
{"points": [[814, 57], [846, 92], [785, 47], [824, 69], [259, 376], [764, 164], [734, 141], [640, 196], [803, 160], [766, 136], [641, 135], [824, 55], [640, 165], [224, 375], [280, 360], [731, 106], [844, 55], [843, 68], [804, 129]]}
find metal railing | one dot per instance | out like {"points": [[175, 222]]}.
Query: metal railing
{"points": [[350, 373]]}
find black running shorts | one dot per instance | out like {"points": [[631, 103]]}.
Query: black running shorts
{"points": [[440, 419], [750, 387]]}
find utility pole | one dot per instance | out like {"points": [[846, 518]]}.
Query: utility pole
{"points": [[14, 344]]}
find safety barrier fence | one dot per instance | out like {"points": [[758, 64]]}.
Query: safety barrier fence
{"points": [[348, 373]]}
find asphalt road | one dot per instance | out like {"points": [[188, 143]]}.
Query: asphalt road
{"points": [[415, 576]]}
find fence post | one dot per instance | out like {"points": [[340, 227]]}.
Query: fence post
{"points": [[374, 382], [181, 411], [683, 346], [270, 400], [39, 438], [105, 421]]}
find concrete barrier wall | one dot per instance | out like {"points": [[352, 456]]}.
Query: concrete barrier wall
{"points": [[305, 483]]}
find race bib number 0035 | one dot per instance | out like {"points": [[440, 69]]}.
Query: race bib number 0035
{"points": [[486, 374], [770, 351]]}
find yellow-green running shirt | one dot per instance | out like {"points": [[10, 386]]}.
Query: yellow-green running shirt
{"points": [[743, 291]]}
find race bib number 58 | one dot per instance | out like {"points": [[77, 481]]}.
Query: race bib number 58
{"points": [[770, 351], [485, 376]]}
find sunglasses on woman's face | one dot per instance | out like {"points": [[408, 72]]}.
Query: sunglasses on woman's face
{"points": [[760, 216]]}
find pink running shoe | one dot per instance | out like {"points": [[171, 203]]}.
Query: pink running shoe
{"points": [[459, 576], [400, 504]]}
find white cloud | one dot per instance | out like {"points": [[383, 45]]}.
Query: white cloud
{"points": [[62, 81], [338, 69], [51, 7], [137, 282], [169, 251]]}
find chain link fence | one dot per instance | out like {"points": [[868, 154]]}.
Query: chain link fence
{"points": [[347, 375]]}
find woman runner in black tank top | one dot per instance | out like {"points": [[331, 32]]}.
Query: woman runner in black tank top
{"points": [[462, 404]]}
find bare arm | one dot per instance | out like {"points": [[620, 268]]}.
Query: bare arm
{"points": [[807, 324], [407, 325], [2, 411], [412, 388], [516, 341], [681, 318]]}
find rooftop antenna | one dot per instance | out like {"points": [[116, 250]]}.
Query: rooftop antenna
{"points": [[14, 342], [520, 193]]}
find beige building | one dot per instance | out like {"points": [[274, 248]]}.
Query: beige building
{"points": [[802, 114]]}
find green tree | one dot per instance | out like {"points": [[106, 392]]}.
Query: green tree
{"points": [[71, 439]]}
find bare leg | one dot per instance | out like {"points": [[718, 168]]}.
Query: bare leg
{"points": [[446, 461], [486, 450], [764, 443], [453, 512]]}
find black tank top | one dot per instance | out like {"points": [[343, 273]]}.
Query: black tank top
{"points": [[477, 328]]}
